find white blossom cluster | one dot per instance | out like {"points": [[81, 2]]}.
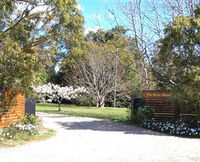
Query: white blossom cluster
{"points": [[58, 93], [174, 128], [27, 127]]}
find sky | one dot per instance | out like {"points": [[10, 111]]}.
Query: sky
{"points": [[95, 14]]}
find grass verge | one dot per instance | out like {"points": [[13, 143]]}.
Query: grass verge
{"points": [[43, 135]]}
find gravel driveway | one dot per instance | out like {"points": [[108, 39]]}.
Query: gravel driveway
{"points": [[93, 140]]}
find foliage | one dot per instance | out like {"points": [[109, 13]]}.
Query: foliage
{"points": [[33, 36], [123, 119], [99, 71], [14, 131], [57, 93], [85, 101], [30, 119], [145, 21], [29, 129], [18, 69], [178, 127], [55, 77], [101, 36], [178, 60], [111, 51], [191, 121], [122, 99], [178, 51], [30, 34], [7, 99], [143, 113]]}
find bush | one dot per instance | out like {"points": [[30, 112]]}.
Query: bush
{"points": [[144, 112], [30, 119], [192, 121], [178, 127], [120, 101], [85, 101]]}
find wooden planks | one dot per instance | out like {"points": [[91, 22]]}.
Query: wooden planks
{"points": [[13, 115], [160, 100]]}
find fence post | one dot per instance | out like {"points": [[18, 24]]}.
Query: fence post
{"points": [[135, 103]]}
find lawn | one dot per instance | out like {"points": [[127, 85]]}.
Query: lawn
{"points": [[118, 114]]}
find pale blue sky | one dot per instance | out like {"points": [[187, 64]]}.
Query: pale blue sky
{"points": [[97, 16], [93, 9], [96, 13]]}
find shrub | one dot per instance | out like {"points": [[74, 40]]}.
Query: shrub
{"points": [[144, 112], [178, 127], [30, 119], [191, 120], [85, 101]]}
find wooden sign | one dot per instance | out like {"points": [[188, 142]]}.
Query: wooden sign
{"points": [[159, 100], [156, 94]]}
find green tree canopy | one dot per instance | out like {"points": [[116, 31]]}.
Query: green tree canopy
{"points": [[33, 35], [178, 59]]}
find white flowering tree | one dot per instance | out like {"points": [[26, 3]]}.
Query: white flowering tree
{"points": [[57, 93]]}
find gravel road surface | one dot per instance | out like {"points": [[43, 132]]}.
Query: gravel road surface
{"points": [[94, 140]]}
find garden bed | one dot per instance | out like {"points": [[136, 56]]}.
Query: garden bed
{"points": [[178, 127], [29, 129]]}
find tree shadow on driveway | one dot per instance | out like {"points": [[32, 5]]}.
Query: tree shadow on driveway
{"points": [[101, 125]]}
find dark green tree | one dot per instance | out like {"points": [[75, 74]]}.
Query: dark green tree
{"points": [[178, 60], [34, 35]]}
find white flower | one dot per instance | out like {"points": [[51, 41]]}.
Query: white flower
{"points": [[27, 127], [58, 93]]}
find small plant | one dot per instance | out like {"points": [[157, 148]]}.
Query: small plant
{"points": [[30, 119], [144, 112], [193, 122], [28, 126], [18, 131]]}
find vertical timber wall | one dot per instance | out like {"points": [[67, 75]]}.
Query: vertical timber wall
{"points": [[160, 101], [13, 115]]}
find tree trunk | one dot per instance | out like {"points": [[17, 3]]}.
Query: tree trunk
{"points": [[44, 101], [59, 106], [97, 104], [100, 102]]}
